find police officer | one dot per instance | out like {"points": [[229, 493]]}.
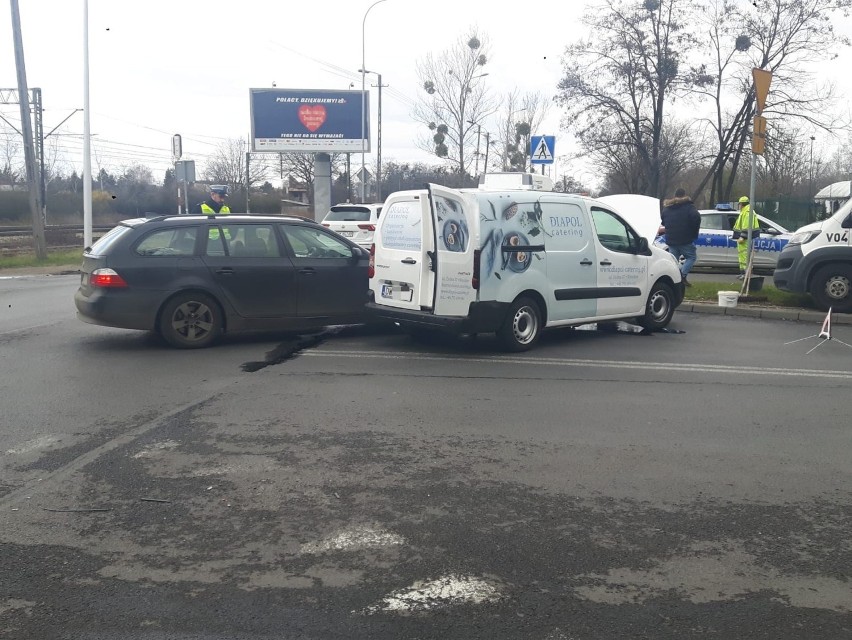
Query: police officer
{"points": [[215, 204], [744, 221]]}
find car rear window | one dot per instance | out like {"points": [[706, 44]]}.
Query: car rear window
{"points": [[348, 214], [103, 245]]}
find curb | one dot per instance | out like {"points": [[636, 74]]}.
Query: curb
{"points": [[768, 313]]}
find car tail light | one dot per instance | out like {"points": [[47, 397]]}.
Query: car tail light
{"points": [[106, 278], [371, 270], [474, 281], [367, 227]]}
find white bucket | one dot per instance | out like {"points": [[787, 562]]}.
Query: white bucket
{"points": [[728, 298]]}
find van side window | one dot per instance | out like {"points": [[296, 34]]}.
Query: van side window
{"points": [[613, 232]]}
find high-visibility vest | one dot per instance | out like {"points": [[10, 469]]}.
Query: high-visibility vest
{"points": [[207, 210], [745, 220]]}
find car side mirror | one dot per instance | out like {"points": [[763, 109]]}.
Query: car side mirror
{"points": [[772, 231], [643, 248]]}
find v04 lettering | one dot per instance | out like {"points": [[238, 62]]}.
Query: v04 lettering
{"points": [[837, 237]]}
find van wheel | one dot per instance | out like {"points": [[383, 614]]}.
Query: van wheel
{"points": [[831, 287], [190, 321], [659, 309], [522, 327]]}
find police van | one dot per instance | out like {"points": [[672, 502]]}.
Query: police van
{"points": [[818, 260], [513, 261]]}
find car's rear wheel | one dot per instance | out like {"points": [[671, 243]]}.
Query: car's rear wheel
{"points": [[522, 326], [831, 288], [659, 308], [190, 321]]}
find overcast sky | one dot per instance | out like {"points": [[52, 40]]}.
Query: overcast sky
{"points": [[186, 66]]}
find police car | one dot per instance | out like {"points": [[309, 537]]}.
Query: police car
{"points": [[717, 248]]}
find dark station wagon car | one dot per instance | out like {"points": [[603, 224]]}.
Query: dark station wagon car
{"points": [[192, 278]]}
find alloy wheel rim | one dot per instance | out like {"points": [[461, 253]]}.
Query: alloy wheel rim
{"points": [[193, 320]]}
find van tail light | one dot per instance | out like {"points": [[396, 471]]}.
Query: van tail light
{"points": [[106, 279], [367, 227], [474, 281], [371, 269]]}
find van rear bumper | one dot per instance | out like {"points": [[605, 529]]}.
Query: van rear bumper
{"points": [[482, 317]]}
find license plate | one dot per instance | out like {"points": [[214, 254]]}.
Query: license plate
{"points": [[347, 234], [387, 291]]}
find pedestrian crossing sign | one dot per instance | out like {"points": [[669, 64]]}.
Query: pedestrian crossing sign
{"points": [[542, 149]]}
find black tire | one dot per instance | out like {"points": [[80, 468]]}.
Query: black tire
{"points": [[831, 287], [659, 308], [190, 321], [522, 327]]}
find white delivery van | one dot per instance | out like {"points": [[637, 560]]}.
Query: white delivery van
{"points": [[818, 260], [515, 261]]}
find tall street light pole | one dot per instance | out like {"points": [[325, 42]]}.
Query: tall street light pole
{"points": [[87, 135], [378, 134], [364, 96], [811, 181]]}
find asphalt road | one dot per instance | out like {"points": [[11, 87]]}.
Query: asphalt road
{"points": [[363, 485]]}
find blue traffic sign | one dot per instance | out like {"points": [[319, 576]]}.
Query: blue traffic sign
{"points": [[542, 149]]}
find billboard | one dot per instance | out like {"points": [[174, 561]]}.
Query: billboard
{"points": [[308, 120]]}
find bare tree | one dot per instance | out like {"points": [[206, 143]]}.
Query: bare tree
{"points": [[785, 37], [521, 116], [11, 164], [457, 100], [227, 165], [301, 167], [620, 80]]}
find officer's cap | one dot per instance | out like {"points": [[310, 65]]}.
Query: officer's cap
{"points": [[744, 200], [221, 189]]}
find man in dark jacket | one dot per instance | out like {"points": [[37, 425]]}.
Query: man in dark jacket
{"points": [[680, 222]]}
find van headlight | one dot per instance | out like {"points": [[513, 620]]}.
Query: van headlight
{"points": [[803, 237]]}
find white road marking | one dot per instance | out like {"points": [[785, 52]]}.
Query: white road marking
{"points": [[445, 591], [576, 362], [33, 445], [156, 448], [353, 538]]}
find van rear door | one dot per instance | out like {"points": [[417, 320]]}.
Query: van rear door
{"points": [[455, 228], [403, 242]]}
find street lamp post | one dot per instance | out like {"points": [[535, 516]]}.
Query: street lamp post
{"points": [[364, 95], [811, 178], [378, 134]]}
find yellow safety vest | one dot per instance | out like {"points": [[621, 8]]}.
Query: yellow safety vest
{"points": [[207, 210], [745, 220]]}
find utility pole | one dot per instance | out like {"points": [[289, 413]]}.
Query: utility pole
{"points": [[248, 181], [379, 134], [26, 126], [379, 143]]}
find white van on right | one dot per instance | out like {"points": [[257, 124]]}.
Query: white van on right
{"points": [[516, 261], [818, 260]]}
